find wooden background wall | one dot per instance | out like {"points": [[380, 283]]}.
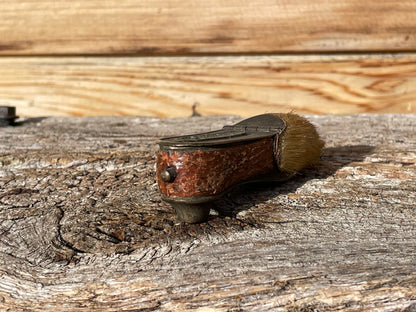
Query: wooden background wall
{"points": [[162, 58]]}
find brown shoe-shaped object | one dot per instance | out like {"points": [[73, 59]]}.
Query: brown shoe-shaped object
{"points": [[194, 170]]}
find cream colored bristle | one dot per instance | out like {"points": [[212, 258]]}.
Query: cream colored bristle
{"points": [[299, 144]]}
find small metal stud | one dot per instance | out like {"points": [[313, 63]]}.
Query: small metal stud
{"points": [[7, 115], [168, 174]]}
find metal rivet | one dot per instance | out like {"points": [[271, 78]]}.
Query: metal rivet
{"points": [[168, 174], [7, 115]]}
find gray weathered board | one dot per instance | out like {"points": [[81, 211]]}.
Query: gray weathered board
{"points": [[82, 227]]}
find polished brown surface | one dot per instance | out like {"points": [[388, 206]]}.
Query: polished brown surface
{"points": [[211, 172]]}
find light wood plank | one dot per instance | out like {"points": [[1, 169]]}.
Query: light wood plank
{"points": [[212, 26], [82, 226], [245, 85]]}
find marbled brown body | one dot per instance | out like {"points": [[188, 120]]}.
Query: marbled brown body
{"points": [[211, 172]]}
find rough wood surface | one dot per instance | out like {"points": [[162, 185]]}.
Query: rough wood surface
{"points": [[211, 26], [171, 86], [82, 227]]}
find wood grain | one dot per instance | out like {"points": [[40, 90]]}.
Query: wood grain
{"points": [[242, 85], [82, 227], [185, 27]]}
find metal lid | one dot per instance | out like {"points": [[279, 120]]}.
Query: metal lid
{"points": [[251, 129]]}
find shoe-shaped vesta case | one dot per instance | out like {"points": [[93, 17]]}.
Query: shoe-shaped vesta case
{"points": [[194, 170]]}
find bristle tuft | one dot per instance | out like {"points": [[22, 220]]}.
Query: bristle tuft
{"points": [[299, 144]]}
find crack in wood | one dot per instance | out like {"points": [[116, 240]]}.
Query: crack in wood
{"points": [[94, 235]]}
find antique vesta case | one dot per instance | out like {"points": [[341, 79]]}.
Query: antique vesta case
{"points": [[194, 170]]}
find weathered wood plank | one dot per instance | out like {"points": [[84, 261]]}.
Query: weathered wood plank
{"points": [[82, 227], [236, 26], [171, 86]]}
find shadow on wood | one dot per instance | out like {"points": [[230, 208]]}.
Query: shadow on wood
{"points": [[246, 196], [82, 226]]}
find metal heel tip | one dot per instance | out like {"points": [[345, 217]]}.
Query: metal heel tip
{"points": [[192, 213]]}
